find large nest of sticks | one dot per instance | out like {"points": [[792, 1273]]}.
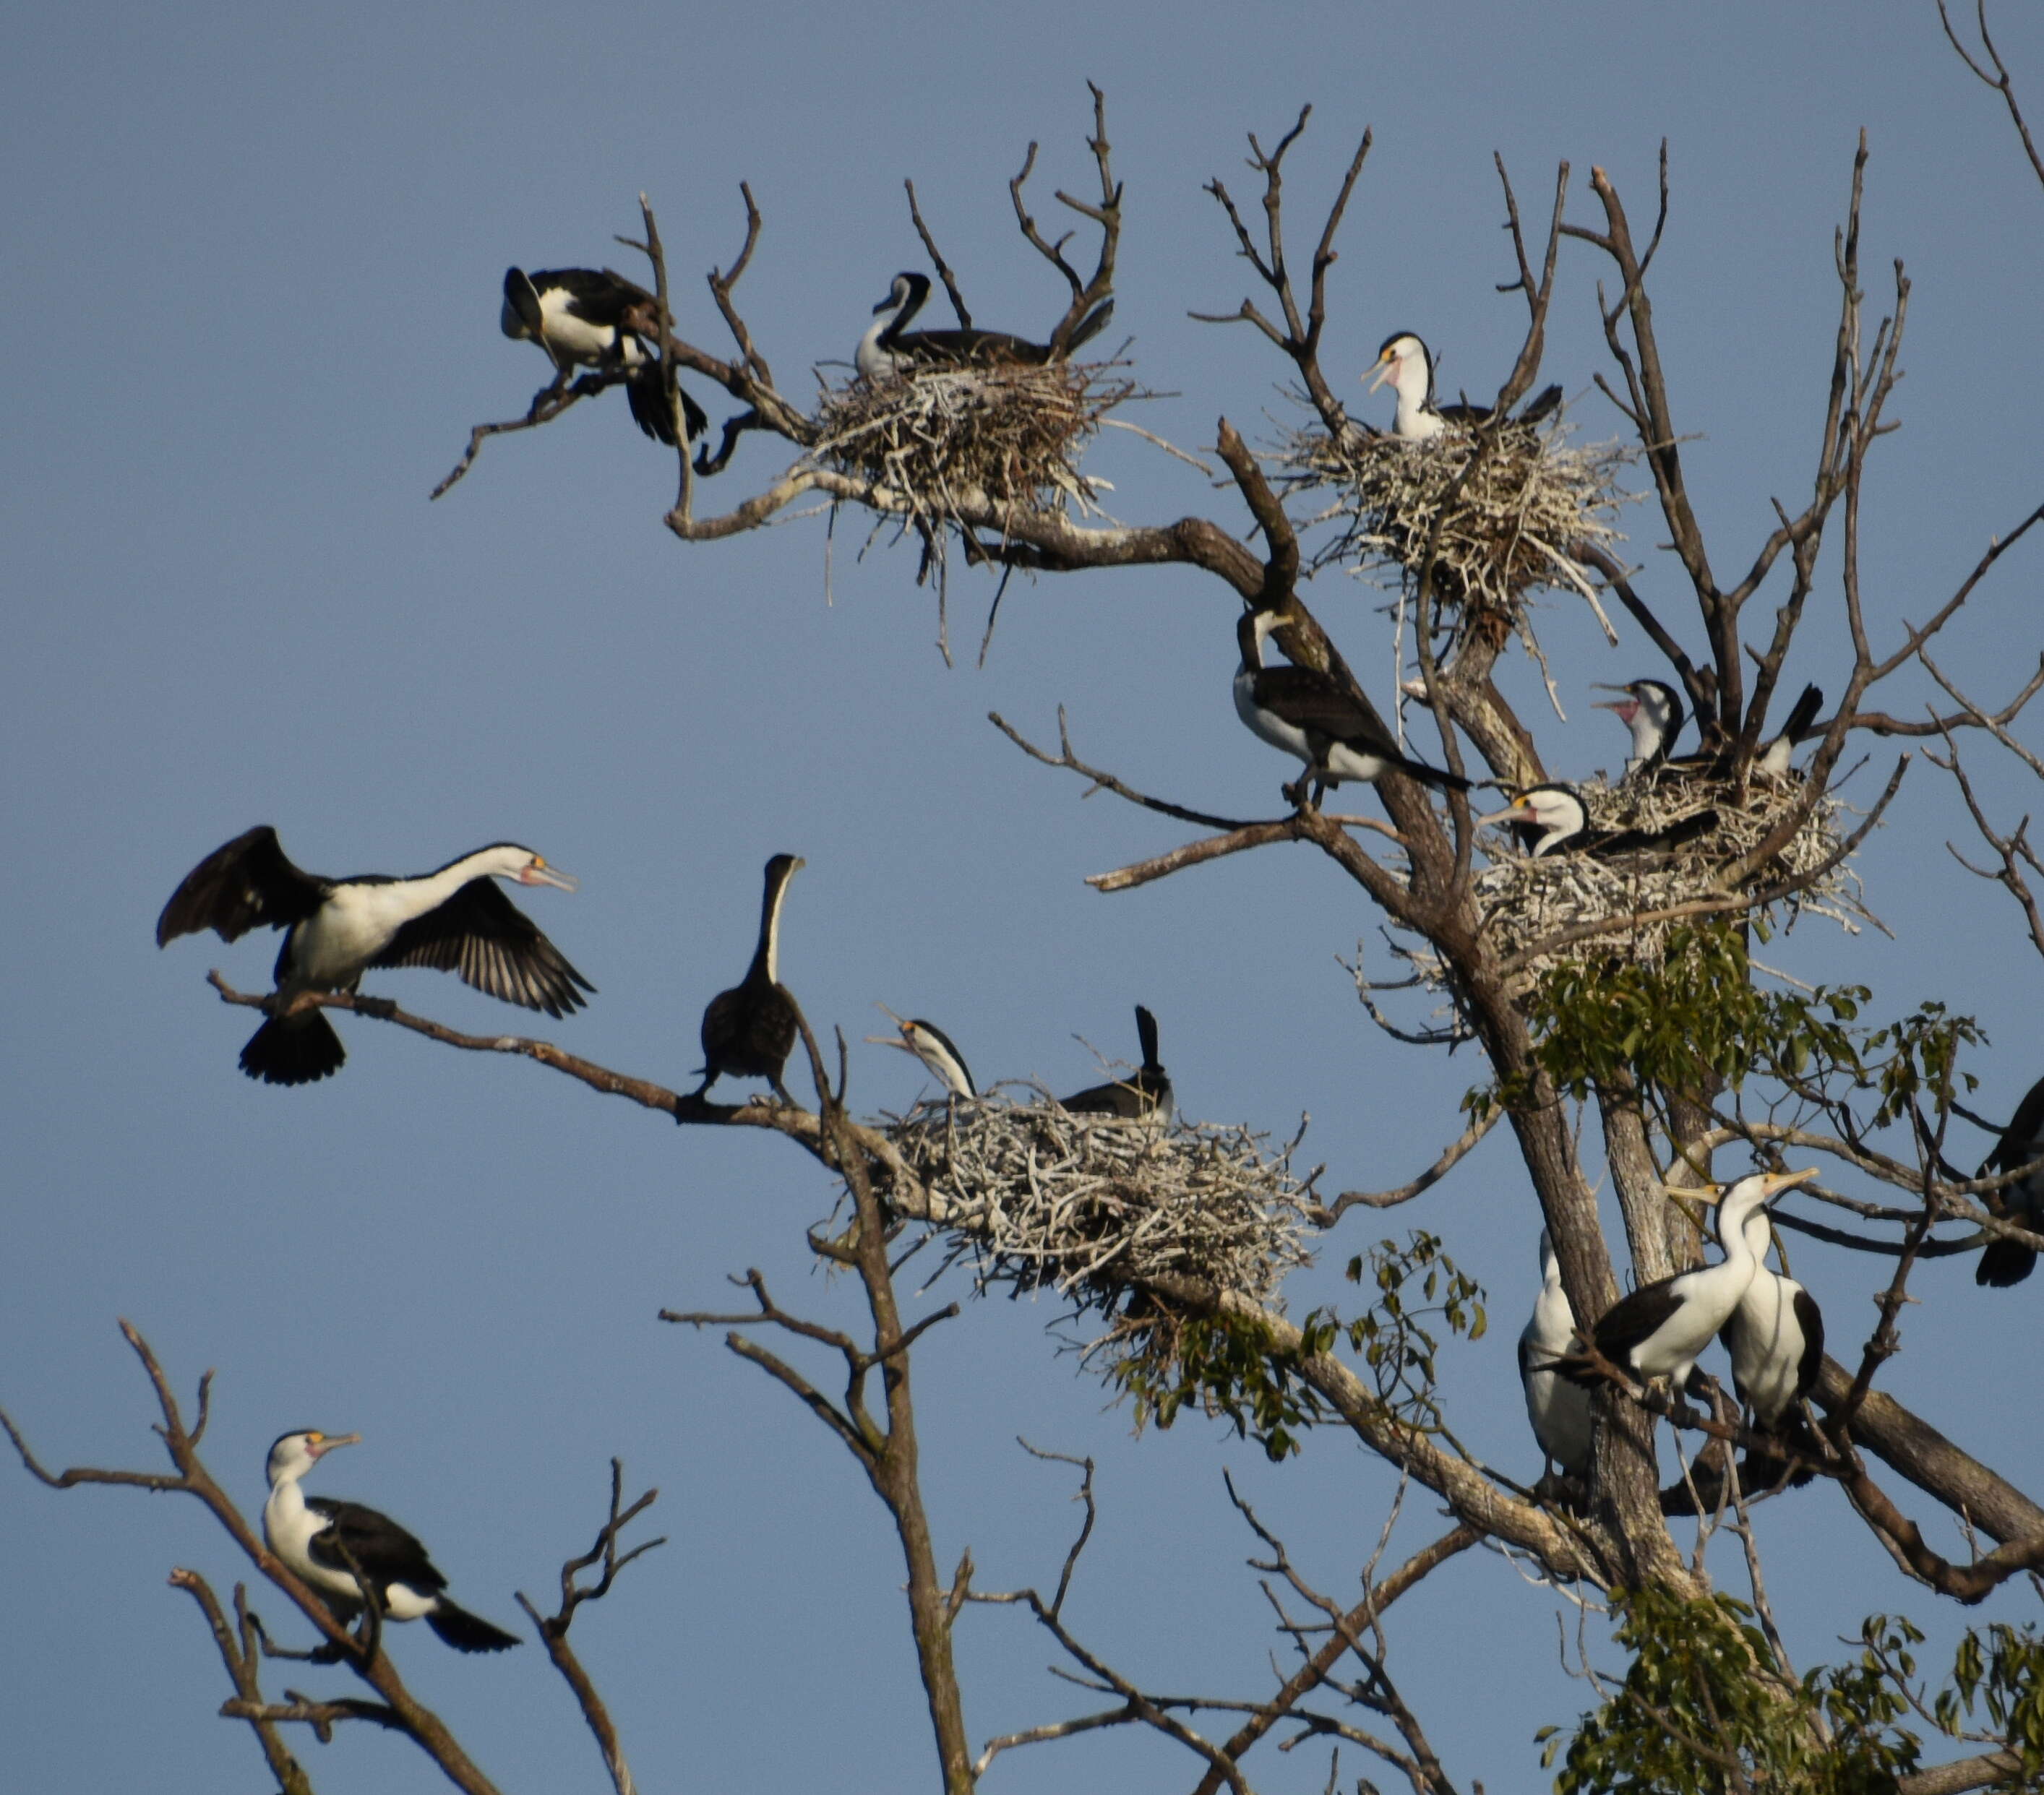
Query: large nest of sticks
{"points": [[1526, 900], [940, 436], [1516, 521], [1033, 1197]]}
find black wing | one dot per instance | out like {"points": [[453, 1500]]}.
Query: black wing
{"points": [[2017, 1145], [386, 1553], [1811, 1320], [494, 945], [239, 886], [1311, 701], [596, 294], [1632, 1319]]}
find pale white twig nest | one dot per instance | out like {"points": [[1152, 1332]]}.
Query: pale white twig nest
{"points": [[1033, 1197], [943, 437]]}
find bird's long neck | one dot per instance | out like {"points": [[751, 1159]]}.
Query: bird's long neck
{"points": [[431, 890], [890, 332], [1249, 636], [766, 957], [1735, 1232], [1414, 383], [286, 1502]]}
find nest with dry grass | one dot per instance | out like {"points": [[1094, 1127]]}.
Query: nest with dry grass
{"points": [[1518, 519], [1035, 1198], [1526, 900], [945, 437]]}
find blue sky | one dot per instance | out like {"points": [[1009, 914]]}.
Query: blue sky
{"points": [[264, 247]]}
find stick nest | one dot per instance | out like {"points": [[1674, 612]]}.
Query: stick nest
{"points": [[1516, 521], [1090, 1206], [1525, 900], [942, 436]]}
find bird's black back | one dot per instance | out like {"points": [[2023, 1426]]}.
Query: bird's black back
{"points": [[384, 1552]]}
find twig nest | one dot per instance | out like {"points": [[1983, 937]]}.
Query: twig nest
{"points": [[1035, 1197], [1516, 521], [945, 436], [1525, 901]]}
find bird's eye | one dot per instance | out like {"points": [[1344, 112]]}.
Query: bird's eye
{"points": [[314, 1438]]}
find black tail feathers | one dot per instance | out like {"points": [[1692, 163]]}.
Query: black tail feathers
{"points": [[466, 1631], [294, 1050], [2003, 1263]]}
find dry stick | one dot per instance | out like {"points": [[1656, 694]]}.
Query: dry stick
{"points": [[1299, 342], [1317, 1669], [1975, 716], [547, 403], [887, 1453], [937, 256], [1999, 80], [553, 1630], [2013, 850], [1450, 1159], [240, 1659]]}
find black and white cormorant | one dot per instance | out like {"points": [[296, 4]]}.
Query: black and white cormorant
{"points": [[2003, 1263], [1145, 1092], [1659, 1330], [1652, 710], [749, 1030], [455, 920], [1552, 819], [1776, 1338], [318, 1536], [1404, 361], [935, 1049], [1561, 1411], [592, 318], [1314, 717], [890, 347]]}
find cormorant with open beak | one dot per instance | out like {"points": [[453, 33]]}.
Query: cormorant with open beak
{"points": [[1661, 1329], [456, 920], [935, 1048], [1146, 1092], [1652, 711], [592, 318], [749, 1030], [328, 1542], [1314, 717], [890, 348], [2006, 1262], [1404, 361]]}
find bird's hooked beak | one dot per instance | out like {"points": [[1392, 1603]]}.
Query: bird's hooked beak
{"points": [[1518, 811], [540, 873], [1777, 1181], [1387, 367], [900, 1040], [1625, 709], [327, 1442]]}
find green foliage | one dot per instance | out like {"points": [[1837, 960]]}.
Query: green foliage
{"points": [[1696, 1021], [1230, 1366], [1702, 1698], [1703, 1711], [2002, 1672]]}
